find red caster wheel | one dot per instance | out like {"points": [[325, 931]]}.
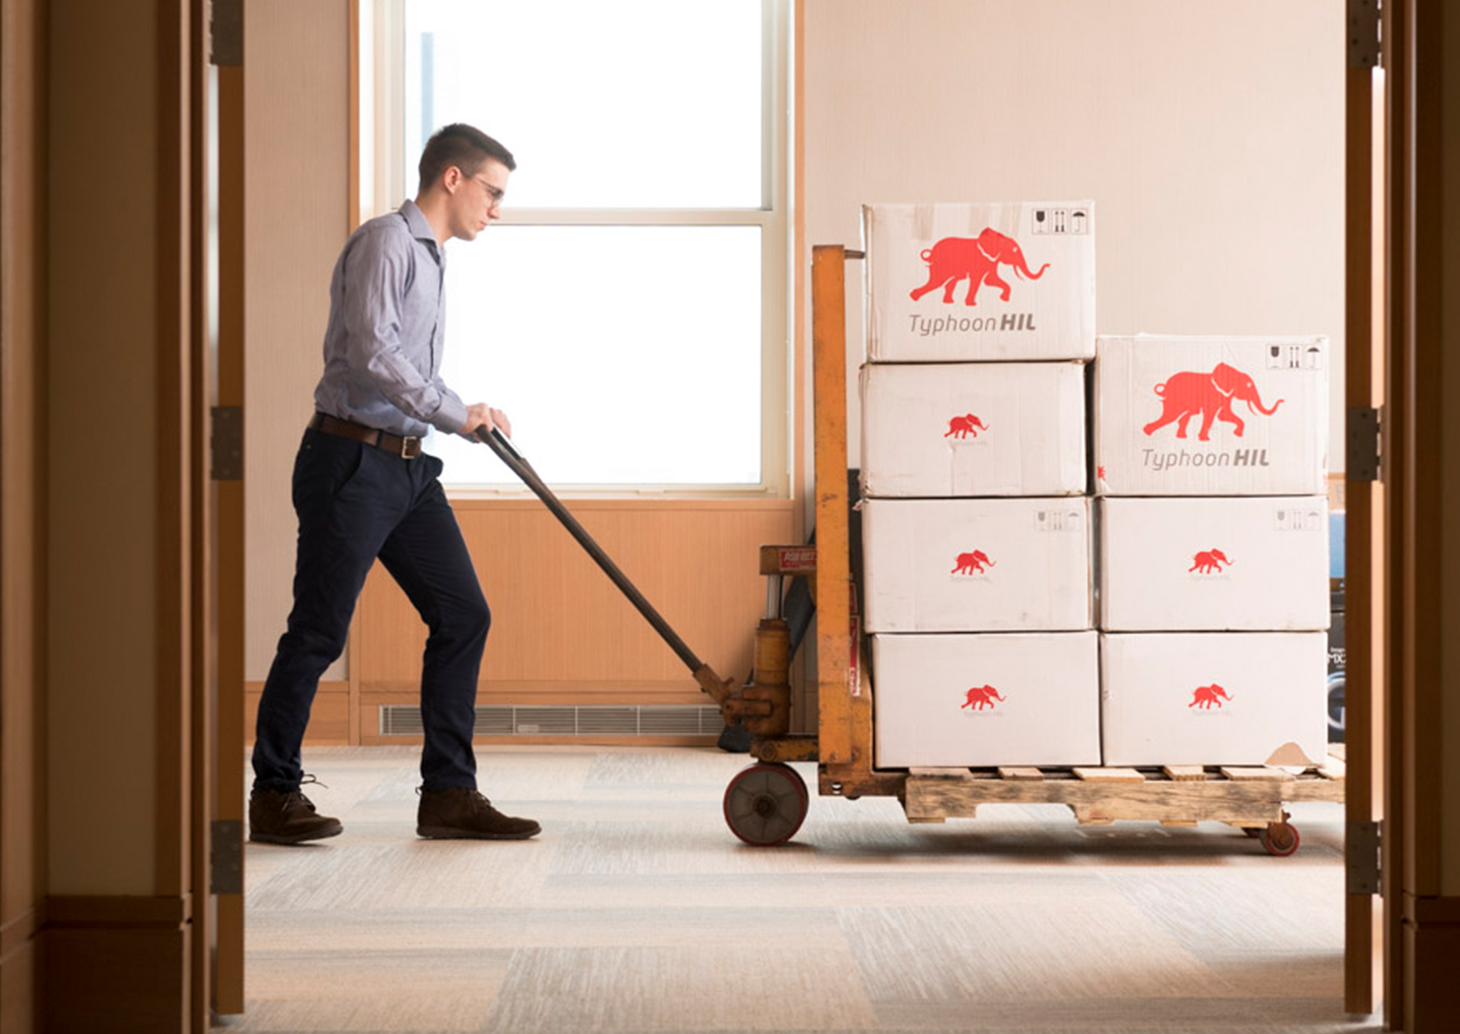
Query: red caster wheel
{"points": [[1281, 839], [766, 804]]}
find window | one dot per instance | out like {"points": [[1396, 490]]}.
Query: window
{"points": [[629, 309]]}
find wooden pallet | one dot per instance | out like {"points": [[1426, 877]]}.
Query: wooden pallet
{"points": [[1173, 795]]}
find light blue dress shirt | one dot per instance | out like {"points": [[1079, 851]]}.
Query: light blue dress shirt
{"points": [[382, 348]]}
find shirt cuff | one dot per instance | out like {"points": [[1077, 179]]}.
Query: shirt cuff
{"points": [[450, 416]]}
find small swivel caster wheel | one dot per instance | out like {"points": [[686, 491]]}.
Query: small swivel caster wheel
{"points": [[765, 804], [1281, 839]]}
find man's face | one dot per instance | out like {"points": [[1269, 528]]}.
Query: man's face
{"points": [[477, 199]]}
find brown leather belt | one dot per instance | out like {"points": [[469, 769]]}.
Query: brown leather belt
{"points": [[408, 447]]}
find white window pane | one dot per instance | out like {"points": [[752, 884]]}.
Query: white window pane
{"points": [[629, 104], [624, 355]]}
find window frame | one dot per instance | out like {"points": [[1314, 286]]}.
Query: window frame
{"points": [[381, 167]]}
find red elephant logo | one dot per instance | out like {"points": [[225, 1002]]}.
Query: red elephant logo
{"points": [[963, 426], [1209, 562], [980, 697], [972, 563], [1186, 394], [977, 258], [1205, 696]]}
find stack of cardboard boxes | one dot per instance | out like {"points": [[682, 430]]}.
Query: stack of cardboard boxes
{"points": [[981, 559], [976, 518], [1213, 549]]}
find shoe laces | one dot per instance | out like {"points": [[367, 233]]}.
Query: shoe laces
{"points": [[296, 796]]}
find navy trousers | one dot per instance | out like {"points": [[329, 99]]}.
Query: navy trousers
{"points": [[355, 503]]}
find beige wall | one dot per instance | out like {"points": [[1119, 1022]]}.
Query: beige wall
{"points": [[296, 131], [1450, 549], [1209, 132], [103, 401]]}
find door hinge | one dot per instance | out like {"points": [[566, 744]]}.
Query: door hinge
{"points": [[225, 874], [225, 30], [1364, 454], [1362, 849], [227, 443], [1365, 33]]}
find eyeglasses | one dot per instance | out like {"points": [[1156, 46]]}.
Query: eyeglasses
{"points": [[495, 194]]}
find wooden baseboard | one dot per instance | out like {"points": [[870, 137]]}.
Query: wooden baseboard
{"points": [[369, 739], [118, 964], [1432, 944]]}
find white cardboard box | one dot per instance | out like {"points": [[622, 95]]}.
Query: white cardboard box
{"points": [[977, 565], [977, 700], [965, 282], [973, 429], [1240, 698], [1211, 416], [1214, 565]]}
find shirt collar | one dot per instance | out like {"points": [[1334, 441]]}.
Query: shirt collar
{"points": [[417, 224]]}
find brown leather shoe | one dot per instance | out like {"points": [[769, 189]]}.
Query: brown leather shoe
{"points": [[467, 815], [279, 817]]}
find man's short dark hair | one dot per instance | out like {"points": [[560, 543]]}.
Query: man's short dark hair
{"points": [[461, 145]]}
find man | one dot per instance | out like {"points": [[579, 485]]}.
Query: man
{"points": [[363, 489]]}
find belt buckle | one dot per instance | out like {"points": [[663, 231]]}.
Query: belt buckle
{"points": [[410, 447]]}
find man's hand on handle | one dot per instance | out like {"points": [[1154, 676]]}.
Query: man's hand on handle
{"points": [[483, 415]]}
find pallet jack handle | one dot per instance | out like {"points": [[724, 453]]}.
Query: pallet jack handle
{"points": [[720, 690]]}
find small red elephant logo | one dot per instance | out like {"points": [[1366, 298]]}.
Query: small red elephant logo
{"points": [[976, 258], [1209, 562], [980, 697], [1205, 696], [1212, 395], [972, 563], [963, 426]]}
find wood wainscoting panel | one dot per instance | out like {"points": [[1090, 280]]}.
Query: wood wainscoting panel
{"points": [[1432, 946], [329, 719], [116, 964], [557, 620]]}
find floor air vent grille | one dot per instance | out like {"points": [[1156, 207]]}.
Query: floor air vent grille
{"points": [[623, 720]]}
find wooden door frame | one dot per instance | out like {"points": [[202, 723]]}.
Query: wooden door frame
{"points": [[228, 567], [1422, 925], [1363, 502], [213, 551]]}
